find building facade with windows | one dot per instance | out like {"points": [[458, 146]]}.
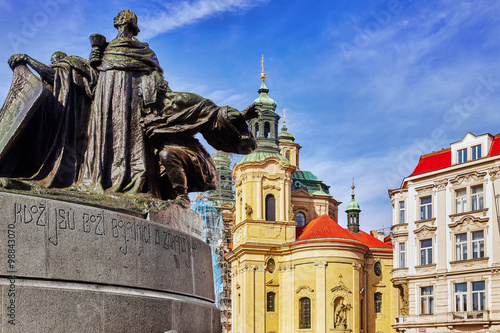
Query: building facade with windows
{"points": [[293, 267], [446, 240]]}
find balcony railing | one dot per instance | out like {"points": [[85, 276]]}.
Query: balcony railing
{"points": [[470, 316]]}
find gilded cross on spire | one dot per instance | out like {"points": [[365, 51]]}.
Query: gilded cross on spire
{"points": [[262, 74], [284, 111], [352, 183]]}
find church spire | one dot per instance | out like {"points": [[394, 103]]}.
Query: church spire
{"points": [[265, 128], [353, 211]]}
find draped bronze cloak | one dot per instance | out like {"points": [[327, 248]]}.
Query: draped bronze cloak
{"points": [[117, 155]]}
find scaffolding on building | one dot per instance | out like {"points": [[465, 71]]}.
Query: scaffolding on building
{"points": [[213, 227]]}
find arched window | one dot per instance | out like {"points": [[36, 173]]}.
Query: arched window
{"points": [[378, 302], [267, 129], [287, 155], [270, 301], [256, 132], [304, 313], [270, 208], [300, 218]]}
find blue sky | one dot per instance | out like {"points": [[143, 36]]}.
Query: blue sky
{"points": [[368, 86]]}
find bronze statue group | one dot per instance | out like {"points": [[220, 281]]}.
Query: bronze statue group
{"points": [[112, 124]]}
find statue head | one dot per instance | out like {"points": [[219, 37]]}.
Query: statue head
{"points": [[128, 18], [58, 55]]}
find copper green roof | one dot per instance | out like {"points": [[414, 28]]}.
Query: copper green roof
{"points": [[353, 206], [264, 99], [309, 182], [284, 136], [258, 156]]}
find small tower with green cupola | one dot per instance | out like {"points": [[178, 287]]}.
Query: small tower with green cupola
{"points": [[288, 147], [353, 211], [265, 128]]}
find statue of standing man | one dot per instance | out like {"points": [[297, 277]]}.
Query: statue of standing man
{"points": [[141, 134]]}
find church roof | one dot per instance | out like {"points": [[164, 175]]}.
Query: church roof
{"points": [[325, 229], [309, 182], [258, 156]]}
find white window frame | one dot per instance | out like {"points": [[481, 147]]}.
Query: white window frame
{"points": [[477, 198], [461, 201], [481, 297], [462, 156], [478, 248], [402, 212], [427, 301], [426, 208], [402, 255], [472, 247], [461, 246], [460, 297], [476, 152], [426, 252]]}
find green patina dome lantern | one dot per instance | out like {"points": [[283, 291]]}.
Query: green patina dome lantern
{"points": [[353, 211]]}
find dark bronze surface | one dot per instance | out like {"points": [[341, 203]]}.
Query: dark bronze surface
{"points": [[111, 124]]}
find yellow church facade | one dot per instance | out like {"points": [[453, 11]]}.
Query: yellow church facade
{"points": [[293, 267]]}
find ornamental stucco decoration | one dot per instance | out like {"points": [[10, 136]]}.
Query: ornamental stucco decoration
{"points": [[469, 222], [467, 178]]}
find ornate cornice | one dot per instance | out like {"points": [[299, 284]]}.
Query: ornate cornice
{"points": [[440, 184], [271, 283], [248, 268], [286, 268], [307, 288], [427, 189], [494, 171], [271, 187], [425, 231], [468, 177], [468, 222], [321, 264]]}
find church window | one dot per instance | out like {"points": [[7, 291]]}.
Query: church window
{"points": [[267, 129], [270, 301], [287, 155], [378, 302], [300, 218], [256, 130], [270, 208], [304, 313], [271, 266]]}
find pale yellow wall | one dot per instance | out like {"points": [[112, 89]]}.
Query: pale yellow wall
{"points": [[309, 269]]}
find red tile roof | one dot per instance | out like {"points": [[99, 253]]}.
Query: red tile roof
{"points": [[442, 159], [324, 228], [372, 242], [433, 161], [495, 146]]}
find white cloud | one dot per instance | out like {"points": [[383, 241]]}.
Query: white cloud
{"points": [[185, 12]]}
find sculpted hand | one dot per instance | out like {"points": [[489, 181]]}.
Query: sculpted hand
{"points": [[250, 112], [16, 59]]}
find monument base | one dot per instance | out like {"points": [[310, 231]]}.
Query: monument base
{"points": [[68, 267]]}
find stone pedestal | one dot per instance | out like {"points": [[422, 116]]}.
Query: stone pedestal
{"points": [[73, 268]]}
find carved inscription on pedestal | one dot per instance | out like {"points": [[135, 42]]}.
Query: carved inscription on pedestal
{"points": [[61, 221]]}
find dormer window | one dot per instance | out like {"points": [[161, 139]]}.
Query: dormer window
{"points": [[471, 148], [462, 156], [476, 152]]}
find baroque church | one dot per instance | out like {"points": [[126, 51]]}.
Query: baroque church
{"points": [[293, 267]]}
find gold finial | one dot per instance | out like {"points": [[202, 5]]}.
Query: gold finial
{"points": [[353, 183], [262, 74]]}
